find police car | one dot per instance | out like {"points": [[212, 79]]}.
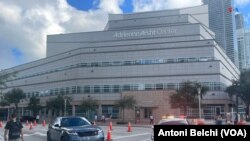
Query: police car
{"points": [[171, 120]]}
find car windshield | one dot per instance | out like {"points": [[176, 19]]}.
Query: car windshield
{"points": [[69, 122]]}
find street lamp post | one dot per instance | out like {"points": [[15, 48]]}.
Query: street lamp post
{"points": [[237, 103], [199, 100]]}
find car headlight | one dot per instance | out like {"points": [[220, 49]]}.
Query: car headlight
{"points": [[72, 132], [100, 133]]}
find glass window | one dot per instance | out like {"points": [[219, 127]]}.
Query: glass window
{"points": [[94, 64], [217, 86], [192, 59], [117, 63], [203, 59], [51, 92], [84, 64], [180, 86], [110, 110], [141, 87], [97, 89], [73, 88], [78, 89], [135, 87], [127, 63], [116, 88], [41, 93], [182, 60], [171, 86], [159, 61], [126, 87], [62, 91], [105, 64], [67, 90], [170, 60], [56, 91], [37, 94], [106, 89], [87, 89], [148, 61], [148, 86], [159, 86], [73, 66], [46, 93]]}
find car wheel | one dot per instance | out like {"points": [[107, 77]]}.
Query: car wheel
{"points": [[63, 139]]}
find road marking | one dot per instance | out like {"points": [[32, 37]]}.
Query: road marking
{"points": [[147, 140], [43, 129], [131, 136], [1, 138], [36, 133]]}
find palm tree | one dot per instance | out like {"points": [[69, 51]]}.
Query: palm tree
{"points": [[88, 105], [14, 96], [34, 105], [187, 95], [127, 102], [241, 88]]}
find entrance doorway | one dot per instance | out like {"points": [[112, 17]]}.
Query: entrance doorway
{"points": [[147, 112], [218, 110]]}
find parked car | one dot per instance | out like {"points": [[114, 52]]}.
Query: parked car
{"points": [[27, 118], [74, 129], [171, 120]]}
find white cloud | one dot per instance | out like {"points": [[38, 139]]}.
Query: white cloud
{"points": [[25, 24], [149, 5], [111, 6], [242, 2]]}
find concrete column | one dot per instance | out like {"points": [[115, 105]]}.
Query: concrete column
{"points": [[60, 113], [22, 111], [73, 110], [49, 113], [99, 109], [226, 109]]}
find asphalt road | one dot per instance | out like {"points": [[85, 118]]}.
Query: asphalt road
{"points": [[118, 133]]}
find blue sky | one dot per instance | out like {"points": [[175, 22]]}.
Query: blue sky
{"points": [[127, 7], [23, 36]]}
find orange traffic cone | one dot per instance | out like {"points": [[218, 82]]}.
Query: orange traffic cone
{"points": [[129, 127], [110, 126], [44, 123], [1, 124], [109, 136], [35, 123], [31, 126]]}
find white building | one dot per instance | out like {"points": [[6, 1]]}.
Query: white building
{"points": [[222, 23], [242, 50], [136, 52], [247, 45]]}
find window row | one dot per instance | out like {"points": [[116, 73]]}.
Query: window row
{"points": [[95, 89], [120, 63]]}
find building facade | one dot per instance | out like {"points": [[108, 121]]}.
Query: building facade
{"points": [[247, 46], [242, 50], [148, 51], [222, 23]]}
